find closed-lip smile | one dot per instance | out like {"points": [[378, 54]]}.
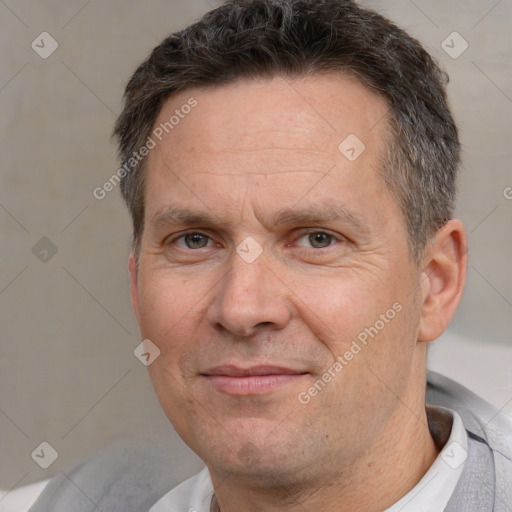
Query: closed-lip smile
{"points": [[254, 380]]}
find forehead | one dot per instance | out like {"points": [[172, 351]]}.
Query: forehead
{"points": [[303, 113], [284, 134]]}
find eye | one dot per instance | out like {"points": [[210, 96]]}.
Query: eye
{"points": [[192, 241], [317, 240]]}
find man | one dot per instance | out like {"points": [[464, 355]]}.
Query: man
{"points": [[290, 169]]}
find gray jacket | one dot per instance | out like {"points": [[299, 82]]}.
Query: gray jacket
{"points": [[129, 476]]}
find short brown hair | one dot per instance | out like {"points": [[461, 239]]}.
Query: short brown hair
{"points": [[297, 38]]}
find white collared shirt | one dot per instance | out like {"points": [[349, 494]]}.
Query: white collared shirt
{"points": [[433, 492], [430, 494]]}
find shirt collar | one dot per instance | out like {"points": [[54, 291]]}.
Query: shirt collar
{"points": [[434, 490]]}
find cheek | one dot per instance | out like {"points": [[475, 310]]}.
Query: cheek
{"points": [[170, 310], [337, 309], [371, 323], [168, 307]]}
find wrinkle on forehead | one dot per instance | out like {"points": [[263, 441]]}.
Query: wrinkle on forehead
{"points": [[268, 130], [212, 153], [191, 165], [262, 173], [265, 113]]}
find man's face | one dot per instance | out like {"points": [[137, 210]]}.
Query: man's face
{"points": [[267, 252]]}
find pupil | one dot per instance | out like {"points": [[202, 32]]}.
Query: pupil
{"points": [[196, 241], [319, 239]]}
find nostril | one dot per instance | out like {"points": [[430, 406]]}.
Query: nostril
{"points": [[264, 324]]}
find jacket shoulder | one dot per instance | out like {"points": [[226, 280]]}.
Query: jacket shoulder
{"points": [[128, 474]]}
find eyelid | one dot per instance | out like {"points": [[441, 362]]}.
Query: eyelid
{"points": [[172, 239], [335, 236]]}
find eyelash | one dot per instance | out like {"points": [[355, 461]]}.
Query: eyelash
{"points": [[189, 233], [335, 238]]}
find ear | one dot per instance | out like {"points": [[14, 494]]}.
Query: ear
{"points": [[443, 279], [134, 289]]}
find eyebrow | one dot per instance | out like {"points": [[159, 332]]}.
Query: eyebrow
{"points": [[319, 214], [314, 215], [173, 215]]}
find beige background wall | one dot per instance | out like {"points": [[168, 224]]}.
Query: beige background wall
{"points": [[68, 375]]}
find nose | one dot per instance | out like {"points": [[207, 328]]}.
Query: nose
{"points": [[251, 296]]}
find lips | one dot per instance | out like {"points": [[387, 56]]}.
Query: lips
{"points": [[235, 371], [255, 380]]}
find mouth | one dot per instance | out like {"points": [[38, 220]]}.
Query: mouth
{"points": [[256, 380]]}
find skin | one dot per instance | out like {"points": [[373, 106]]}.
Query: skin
{"points": [[248, 151]]}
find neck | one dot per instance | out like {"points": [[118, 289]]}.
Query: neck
{"points": [[401, 454]]}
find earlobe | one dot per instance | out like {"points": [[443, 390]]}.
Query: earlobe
{"points": [[444, 273], [134, 288]]}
